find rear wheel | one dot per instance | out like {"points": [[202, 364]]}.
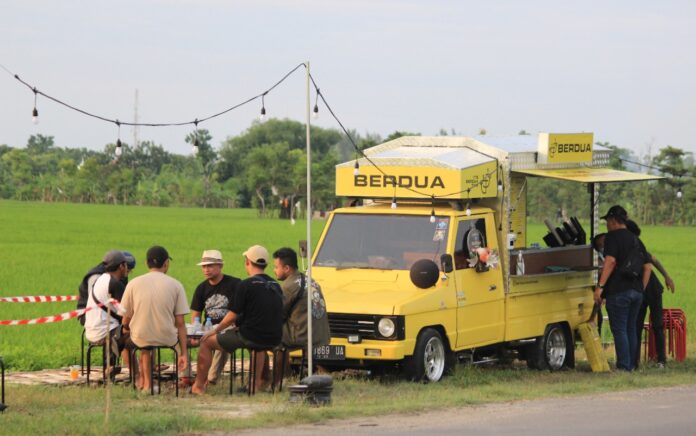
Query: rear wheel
{"points": [[551, 350], [430, 359]]}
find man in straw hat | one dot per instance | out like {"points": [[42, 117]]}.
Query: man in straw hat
{"points": [[215, 296]]}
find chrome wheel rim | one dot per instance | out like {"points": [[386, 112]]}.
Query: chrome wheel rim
{"points": [[434, 359], [556, 348]]}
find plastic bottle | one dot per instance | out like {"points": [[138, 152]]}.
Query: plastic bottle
{"points": [[197, 325], [208, 325], [520, 263]]}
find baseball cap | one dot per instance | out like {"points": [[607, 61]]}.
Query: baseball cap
{"points": [[211, 257], [157, 255], [130, 259], [113, 258], [257, 254], [616, 211]]}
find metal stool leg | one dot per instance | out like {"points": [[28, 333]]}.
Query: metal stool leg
{"points": [[82, 353]]}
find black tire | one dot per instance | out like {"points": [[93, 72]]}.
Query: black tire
{"points": [[431, 358], [553, 351]]}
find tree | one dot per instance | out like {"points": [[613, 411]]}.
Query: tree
{"points": [[39, 144], [206, 156]]}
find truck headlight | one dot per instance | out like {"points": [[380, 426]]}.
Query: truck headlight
{"points": [[386, 327]]}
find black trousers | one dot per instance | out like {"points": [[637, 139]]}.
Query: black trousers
{"points": [[652, 300]]}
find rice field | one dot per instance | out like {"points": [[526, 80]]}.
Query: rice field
{"points": [[45, 249]]}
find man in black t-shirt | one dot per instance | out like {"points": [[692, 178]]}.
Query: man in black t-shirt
{"points": [[622, 292], [215, 296], [257, 312]]}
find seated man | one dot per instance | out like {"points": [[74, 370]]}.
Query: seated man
{"points": [[107, 286], [214, 295], [257, 311], [295, 307], [154, 306], [91, 277]]}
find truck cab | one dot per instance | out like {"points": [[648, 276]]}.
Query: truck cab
{"points": [[424, 266]]}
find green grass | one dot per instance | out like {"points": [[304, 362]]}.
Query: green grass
{"points": [[46, 248], [80, 410]]}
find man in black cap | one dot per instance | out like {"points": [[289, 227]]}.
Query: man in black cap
{"points": [[154, 306], [624, 277]]}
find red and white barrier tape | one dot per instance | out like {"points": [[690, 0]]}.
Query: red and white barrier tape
{"points": [[39, 299], [55, 318]]}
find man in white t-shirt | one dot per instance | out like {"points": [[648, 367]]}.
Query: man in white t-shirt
{"points": [[108, 286]]}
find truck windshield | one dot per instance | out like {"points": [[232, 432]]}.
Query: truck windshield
{"points": [[382, 241]]}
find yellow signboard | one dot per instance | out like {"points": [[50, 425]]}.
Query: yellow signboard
{"points": [[565, 147], [480, 181]]}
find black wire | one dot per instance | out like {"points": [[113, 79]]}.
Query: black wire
{"points": [[184, 123]]}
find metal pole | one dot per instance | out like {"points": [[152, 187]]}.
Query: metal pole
{"points": [[309, 235]]}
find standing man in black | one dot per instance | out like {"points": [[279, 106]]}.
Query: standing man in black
{"points": [[621, 285], [215, 296], [257, 313]]}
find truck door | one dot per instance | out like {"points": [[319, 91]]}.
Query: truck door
{"points": [[480, 294]]}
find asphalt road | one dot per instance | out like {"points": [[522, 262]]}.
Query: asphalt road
{"points": [[662, 411]]}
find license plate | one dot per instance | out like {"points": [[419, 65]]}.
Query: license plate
{"points": [[330, 352]]}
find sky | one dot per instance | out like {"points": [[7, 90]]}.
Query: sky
{"points": [[625, 70]]}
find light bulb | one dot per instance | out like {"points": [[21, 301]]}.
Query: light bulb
{"points": [[432, 215], [356, 171], [263, 114], [194, 149], [35, 116], [500, 186], [118, 151], [316, 112], [679, 193], [468, 210], [393, 204]]}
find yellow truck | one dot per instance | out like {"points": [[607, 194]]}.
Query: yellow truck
{"points": [[429, 262]]}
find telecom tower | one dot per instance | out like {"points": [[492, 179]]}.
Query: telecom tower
{"points": [[136, 129]]}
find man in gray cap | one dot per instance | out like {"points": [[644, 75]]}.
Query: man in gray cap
{"points": [[108, 286]]}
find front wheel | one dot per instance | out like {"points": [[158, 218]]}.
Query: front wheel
{"points": [[430, 357]]}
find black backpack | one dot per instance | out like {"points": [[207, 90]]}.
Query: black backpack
{"points": [[632, 266]]}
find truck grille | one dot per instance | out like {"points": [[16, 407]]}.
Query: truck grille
{"points": [[344, 324]]}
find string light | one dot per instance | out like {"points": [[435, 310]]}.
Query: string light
{"points": [[679, 192], [500, 185], [393, 203], [432, 209], [468, 208], [262, 117], [35, 112], [316, 106], [119, 146]]}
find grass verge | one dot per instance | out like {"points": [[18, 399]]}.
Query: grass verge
{"points": [[80, 410]]}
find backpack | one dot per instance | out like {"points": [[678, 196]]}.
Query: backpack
{"points": [[632, 266]]}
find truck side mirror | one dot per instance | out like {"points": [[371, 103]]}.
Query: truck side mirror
{"points": [[446, 263]]}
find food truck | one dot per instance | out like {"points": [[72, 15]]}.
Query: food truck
{"points": [[430, 261]]}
